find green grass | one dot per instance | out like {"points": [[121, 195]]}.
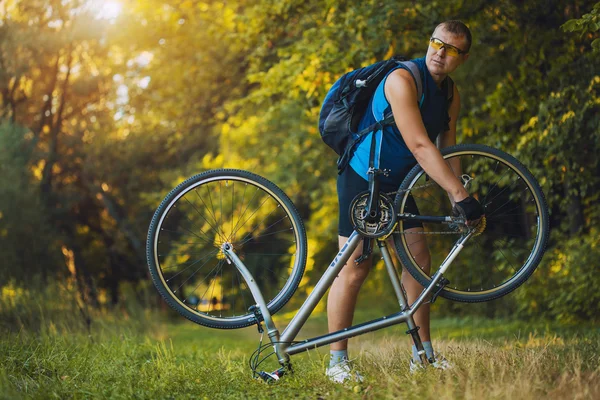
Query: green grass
{"points": [[493, 359]]}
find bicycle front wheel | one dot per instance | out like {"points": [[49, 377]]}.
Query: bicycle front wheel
{"points": [[189, 228], [500, 258]]}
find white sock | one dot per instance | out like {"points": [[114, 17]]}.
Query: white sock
{"points": [[337, 356], [428, 351]]}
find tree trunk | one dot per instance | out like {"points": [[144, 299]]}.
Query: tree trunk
{"points": [[54, 134]]}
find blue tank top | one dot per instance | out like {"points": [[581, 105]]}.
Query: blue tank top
{"points": [[391, 151]]}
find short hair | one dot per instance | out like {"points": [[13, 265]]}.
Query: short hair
{"points": [[458, 28]]}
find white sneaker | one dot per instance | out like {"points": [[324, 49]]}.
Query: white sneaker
{"points": [[343, 372], [439, 363]]}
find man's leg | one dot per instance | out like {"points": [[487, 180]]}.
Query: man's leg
{"points": [[344, 292]]}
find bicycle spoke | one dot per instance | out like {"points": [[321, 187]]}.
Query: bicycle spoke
{"points": [[219, 265], [428, 200], [266, 234], [518, 206], [212, 207], [193, 233], [509, 248], [255, 211], [495, 185], [176, 266], [502, 191], [499, 208], [266, 254], [202, 216], [502, 217], [490, 233], [235, 228], [221, 205], [192, 275], [187, 259], [207, 239], [212, 293], [501, 250], [274, 273], [237, 274], [279, 240], [222, 298], [232, 291], [267, 228], [232, 204]]}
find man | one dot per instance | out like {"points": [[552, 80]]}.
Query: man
{"points": [[418, 123]]}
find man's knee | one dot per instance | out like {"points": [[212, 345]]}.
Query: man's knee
{"points": [[353, 275]]}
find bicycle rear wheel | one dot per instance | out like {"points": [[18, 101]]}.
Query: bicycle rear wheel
{"points": [[502, 257], [184, 254]]}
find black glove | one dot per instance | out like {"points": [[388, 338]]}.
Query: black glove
{"points": [[469, 209]]}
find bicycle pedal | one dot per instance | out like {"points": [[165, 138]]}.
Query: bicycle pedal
{"points": [[271, 377]]}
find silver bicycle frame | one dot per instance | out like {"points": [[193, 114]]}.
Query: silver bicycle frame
{"points": [[282, 344]]}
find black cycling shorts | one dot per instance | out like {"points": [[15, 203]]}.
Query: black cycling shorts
{"points": [[349, 184]]}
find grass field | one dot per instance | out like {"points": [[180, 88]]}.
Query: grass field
{"points": [[179, 360]]}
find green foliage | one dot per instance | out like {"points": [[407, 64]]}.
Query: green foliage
{"points": [[117, 112], [562, 142], [588, 23], [563, 289], [23, 221]]}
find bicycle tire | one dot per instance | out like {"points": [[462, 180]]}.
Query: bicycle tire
{"points": [[187, 231], [515, 237]]}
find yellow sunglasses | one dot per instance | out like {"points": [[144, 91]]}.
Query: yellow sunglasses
{"points": [[452, 51]]}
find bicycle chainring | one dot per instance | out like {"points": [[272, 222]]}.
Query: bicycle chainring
{"points": [[384, 223]]}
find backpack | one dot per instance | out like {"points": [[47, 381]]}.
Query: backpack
{"points": [[347, 100]]}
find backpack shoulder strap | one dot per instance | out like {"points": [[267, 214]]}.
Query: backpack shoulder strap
{"points": [[414, 70], [450, 93]]}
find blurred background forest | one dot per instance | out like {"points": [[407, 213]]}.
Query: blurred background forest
{"points": [[107, 105]]}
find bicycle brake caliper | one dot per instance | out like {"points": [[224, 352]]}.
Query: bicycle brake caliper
{"points": [[258, 316], [466, 179], [367, 250], [439, 287]]}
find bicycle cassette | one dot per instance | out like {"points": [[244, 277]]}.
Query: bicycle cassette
{"points": [[384, 223], [480, 226]]}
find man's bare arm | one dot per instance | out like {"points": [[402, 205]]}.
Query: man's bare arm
{"points": [[448, 138], [401, 92]]}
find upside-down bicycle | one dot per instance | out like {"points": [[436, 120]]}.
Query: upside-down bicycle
{"points": [[227, 248]]}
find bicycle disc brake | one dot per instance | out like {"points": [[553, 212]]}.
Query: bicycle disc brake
{"points": [[381, 225]]}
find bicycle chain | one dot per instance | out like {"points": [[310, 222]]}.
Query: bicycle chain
{"points": [[421, 233], [428, 233]]}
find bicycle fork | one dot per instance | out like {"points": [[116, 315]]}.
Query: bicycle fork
{"points": [[272, 331]]}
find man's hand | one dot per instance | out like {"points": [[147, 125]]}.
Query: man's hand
{"points": [[469, 209]]}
